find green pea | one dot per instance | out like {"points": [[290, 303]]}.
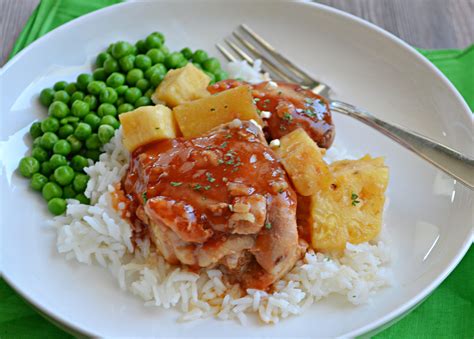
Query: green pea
{"points": [[57, 206], [187, 53], [95, 87], [156, 55], [127, 63], [48, 140], [174, 59], [198, 66], [60, 85], [111, 121], [165, 50], [92, 101], [106, 109], [199, 56], [50, 124], [153, 41], [84, 79], [62, 147], [93, 142], [109, 49], [121, 48], [156, 69], [78, 162], [37, 141], [39, 153], [80, 182], [143, 101], [110, 65], [93, 120], [211, 65], [108, 95], [28, 166], [82, 131], [46, 96], [133, 76], [143, 85], [141, 46], [142, 62], [69, 120], [37, 182], [115, 80], [51, 190], [182, 63], [62, 96], [159, 35], [77, 96], [64, 175], [71, 88], [99, 74], [124, 108], [68, 192], [82, 199], [121, 89], [119, 102], [92, 154], [76, 144], [106, 132], [80, 108], [46, 168], [101, 59], [149, 93], [212, 76], [35, 130], [156, 79], [58, 109], [57, 160], [65, 131], [132, 94], [221, 75]]}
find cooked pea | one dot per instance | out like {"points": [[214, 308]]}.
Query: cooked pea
{"points": [[182, 63], [119, 102], [156, 79], [99, 74], [83, 80], [62, 147], [82, 199], [37, 141], [28, 166], [143, 101], [92, 154], [221, 75], [141, 46], [132, 94], [95, 87], [125, 108], [76, 144], [121, 89], [50, 124], [64, 175], [37, 182], [127, 63], [57, 160], [142, 62], [78, 162], [199, 56], [93, 142], [115, 80], [51, 190], [62, 96], [80, 182], [211, 65], [48, 140], [106, 132], [198, 66], [92, 101], [110, 65], [133, 76], [101, 59], [68, 192], [77, 96], [121, 48], [174, 59], [82, 131], [58, 109], [212, 76], [93, 120], [57, 206], [80, 108], [108, 95], [60, 85], [149, 93], [71, 88], [187, 53], [46, 168], [143, 85], [47, 96], [35, 130], [106, 109], [153, 41], [65, 131], [165, 50], [156, 55], [111, 121], [39, 153]]}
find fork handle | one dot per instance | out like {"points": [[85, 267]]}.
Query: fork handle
{"points": [[453, 163]]}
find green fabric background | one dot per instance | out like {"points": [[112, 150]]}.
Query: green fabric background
{"points": [[447, 313]]}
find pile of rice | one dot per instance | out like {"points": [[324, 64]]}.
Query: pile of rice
{"points": [[96, 234]]}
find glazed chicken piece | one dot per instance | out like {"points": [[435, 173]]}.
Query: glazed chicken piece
{"points": [[221, 200]]}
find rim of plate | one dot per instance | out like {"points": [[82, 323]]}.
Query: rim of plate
{"points": [[378, 323]]}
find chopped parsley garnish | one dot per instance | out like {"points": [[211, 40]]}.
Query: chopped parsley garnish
{"points": [[255, 100], [220, 161], [197, 187], [228, 136], [209, 177], [268, 225], [207, 187], [230, 162], [354, 198], [308, 101], [224, 144], [144, 197], [287, 117], [176, 183]]}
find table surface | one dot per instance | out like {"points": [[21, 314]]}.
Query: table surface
{"points": [[430, 24]]}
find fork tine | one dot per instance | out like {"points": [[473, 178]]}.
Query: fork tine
{"points": [[226, 53], [270, 49]]}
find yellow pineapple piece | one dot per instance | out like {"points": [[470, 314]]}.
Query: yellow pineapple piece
{"points": [[303, 161], [197, 117], [146, 124], [182, 85], [351, 210]]}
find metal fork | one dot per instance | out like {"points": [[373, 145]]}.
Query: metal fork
{"points": [[450, 161]]}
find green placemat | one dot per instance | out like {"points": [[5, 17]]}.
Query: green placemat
{"points": [[447, 313]]}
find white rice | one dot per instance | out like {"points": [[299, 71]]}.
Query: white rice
{"points": [[97, 235]]}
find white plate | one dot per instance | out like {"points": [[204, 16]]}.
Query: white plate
{"points": [[429, 217]]}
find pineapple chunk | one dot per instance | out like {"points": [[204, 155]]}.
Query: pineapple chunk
{"points": [[198, 117], [182, 85], [351, 210], [147, 124], [303, 161]]}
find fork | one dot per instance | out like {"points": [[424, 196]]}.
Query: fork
{"points": [[450, 161]]}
